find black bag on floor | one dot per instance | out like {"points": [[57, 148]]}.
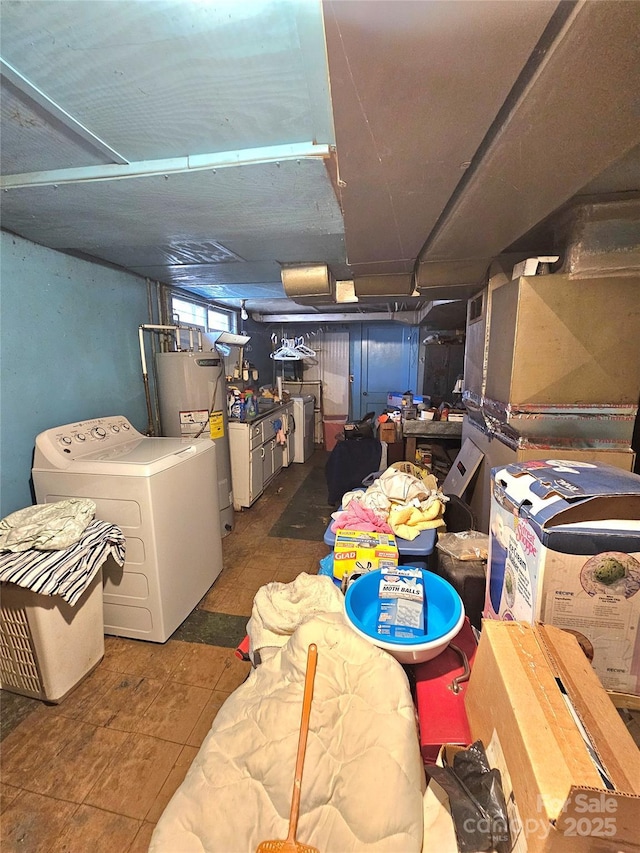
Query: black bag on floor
{"points": [[360, 429], [348, 464]]}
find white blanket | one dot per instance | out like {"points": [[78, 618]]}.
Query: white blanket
{"points": [[279, 608], [363, 780]]}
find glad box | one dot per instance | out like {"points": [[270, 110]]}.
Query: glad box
{"points": [[564, 548], [369, 550]]}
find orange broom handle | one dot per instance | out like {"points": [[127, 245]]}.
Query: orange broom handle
{"points": [[310, 674]]}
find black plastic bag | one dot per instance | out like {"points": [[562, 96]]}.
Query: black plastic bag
{"points": [[476, 800], [360, 429], [469, 819], [472, 768]]}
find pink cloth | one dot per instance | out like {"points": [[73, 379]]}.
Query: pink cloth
{"points": [[358, 517]]}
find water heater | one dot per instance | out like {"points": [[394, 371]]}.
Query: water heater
{"points": [[192, 394]]}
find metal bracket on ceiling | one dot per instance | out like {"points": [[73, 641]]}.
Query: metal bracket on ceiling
{"points": [[175, 165]]}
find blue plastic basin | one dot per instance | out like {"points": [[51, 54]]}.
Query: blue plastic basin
{"points": [[444, 617]]}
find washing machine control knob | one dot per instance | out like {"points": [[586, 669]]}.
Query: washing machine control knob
{"points": [[125, 426], [115, 428], [98, 432], [65, 440], [81, 437]]}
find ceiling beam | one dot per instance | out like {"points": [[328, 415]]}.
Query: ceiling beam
{"points": [[52, 109], [175, 165]]}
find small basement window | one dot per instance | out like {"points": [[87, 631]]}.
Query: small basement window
{"points": [[203, 315]]}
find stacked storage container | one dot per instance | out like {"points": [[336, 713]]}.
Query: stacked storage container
{"points": [[552, 371]]}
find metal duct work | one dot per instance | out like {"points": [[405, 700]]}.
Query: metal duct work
{"points": [[308, 283], [391, 285], [600, 239]]}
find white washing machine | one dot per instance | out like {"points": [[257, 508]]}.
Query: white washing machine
{"points": [[305, 426], [163, 494]]}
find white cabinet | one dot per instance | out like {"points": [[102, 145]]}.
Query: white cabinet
{"points": [[267, 461], [256, 457], [254, 479]]}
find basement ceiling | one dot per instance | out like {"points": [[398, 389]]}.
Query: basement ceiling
{"points": [[405, 145]]}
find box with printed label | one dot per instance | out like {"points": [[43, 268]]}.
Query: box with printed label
{"points": [[401, 604], [564, 548], [358, 549], [570, 769]]}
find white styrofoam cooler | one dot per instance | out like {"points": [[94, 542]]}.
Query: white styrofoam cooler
{"points": [[48, 646]]}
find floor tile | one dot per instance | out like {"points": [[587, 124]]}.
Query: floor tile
{"points": [[14, 708], [206, 718], [255, 576], [31, 748], [9, 793], [139, 769], [287, 574], [212, 628], [201, 666], [216, 599], [234, 673], [125, 702], [143, 838], [174, 712], [136, 657], [172, 783], [89, 693], [73, 770], [99, 831], [237, 602], [31, 821]]}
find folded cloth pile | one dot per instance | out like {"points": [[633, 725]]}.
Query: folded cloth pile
{"points": [[357, 516], [407, 504], [46, 527], [65, 572]]}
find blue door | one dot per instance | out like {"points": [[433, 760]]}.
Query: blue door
{"points": [[384, 359]]}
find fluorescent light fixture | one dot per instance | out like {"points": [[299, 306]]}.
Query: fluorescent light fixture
{"points": [[232, 339]]}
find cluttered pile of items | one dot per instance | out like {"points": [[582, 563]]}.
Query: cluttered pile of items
{"points": [[519, 745]]}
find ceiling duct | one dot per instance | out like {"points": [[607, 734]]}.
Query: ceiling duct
{"points": [[599, 239], [384, 285], [308, 284]]}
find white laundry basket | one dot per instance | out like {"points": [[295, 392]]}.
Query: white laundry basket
{"points": [[46, 645]]}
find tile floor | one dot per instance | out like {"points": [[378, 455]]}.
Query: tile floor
{"points": [[96, 771]]}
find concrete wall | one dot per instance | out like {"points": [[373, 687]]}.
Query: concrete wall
{"points": [[68, 351]]}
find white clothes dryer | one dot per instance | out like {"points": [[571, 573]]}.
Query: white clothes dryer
{"points": [[163, 494]]}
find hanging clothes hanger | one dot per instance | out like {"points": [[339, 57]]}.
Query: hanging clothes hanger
{"points": [[305, 351], [286, 352]]}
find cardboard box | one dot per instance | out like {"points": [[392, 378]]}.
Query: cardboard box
{"points": [[358, 546], [528, 688], [556, 340], [389, 432], [564, 548]]}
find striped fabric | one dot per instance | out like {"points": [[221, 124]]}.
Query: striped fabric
{"points": [[69, 572]]}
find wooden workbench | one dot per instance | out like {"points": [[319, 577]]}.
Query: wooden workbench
{"points": [[434, 430]]}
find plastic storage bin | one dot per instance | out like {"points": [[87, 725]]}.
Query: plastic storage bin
{"points": [[332, 425], [46, 645]]}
